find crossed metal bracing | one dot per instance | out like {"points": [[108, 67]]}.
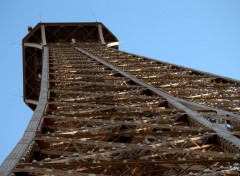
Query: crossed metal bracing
{"points": [[196, 86], [100, 122], [193, 86], [65, 32], [32, 70]]}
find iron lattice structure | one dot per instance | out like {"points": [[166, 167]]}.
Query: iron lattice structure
{"points": [[102, 111]]}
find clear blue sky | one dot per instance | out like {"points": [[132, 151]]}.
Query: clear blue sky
{"points": [[201, 34]]}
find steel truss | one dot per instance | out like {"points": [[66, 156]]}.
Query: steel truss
{"points": [[106, 112]]}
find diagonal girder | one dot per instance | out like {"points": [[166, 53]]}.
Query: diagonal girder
{"points": [[197, 117]]}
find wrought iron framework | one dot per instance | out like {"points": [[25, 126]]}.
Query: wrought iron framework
{"points": [[102, 111]]}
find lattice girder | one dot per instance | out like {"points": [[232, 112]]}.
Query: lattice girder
{"points": [[102, 111], [182, 82], [113, 126]]}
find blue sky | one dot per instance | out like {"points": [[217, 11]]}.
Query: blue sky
{"points": [[200, 34]]}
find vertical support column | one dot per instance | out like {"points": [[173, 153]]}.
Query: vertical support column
{"points": [[101, 34], [43, 34]]}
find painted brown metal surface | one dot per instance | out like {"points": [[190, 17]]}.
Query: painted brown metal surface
{"points": [[109, 112], [44, 33]]}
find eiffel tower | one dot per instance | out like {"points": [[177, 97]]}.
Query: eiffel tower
{"points": [[102, 111]]}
